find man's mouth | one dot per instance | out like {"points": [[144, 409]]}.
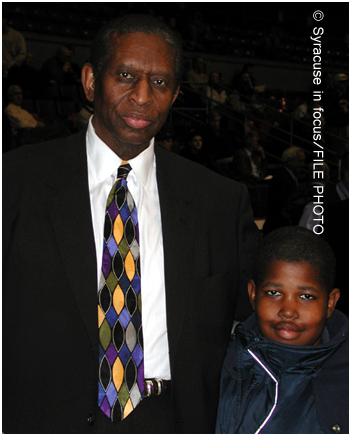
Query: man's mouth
{"points": [[136, 121]]}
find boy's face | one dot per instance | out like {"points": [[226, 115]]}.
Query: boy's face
{"points": [[291, 304]]}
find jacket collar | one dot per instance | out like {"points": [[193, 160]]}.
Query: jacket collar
{"points": [[291, 358]]}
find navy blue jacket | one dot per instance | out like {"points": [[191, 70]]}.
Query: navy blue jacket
{"points": [[269, 387]]}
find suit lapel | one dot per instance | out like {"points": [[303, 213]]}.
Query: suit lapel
{"points": [[69, 209], [176, 204]]}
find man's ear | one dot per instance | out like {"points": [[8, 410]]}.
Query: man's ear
{"points": [[88, 82], [251, 288], [332, 300]]}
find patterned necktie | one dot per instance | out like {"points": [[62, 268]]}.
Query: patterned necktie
{"points": [[121, 360]]}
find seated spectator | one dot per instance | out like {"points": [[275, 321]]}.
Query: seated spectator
{"points": [[284, 184], [60, 70], [250, 161], [19, 118], [29, 128], [194, 149], [198, 80], [13, 48], [215, 91]]}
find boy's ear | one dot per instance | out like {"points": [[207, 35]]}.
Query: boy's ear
{"points": [[251, 288], [88, 82], [333, 299]]}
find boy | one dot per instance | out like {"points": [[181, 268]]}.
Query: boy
{"points": [[286, 369]]}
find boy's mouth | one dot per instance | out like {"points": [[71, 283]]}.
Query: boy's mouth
{"points": [[287, 330], [287, 326]]}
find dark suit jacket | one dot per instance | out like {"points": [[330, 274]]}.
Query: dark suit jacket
{"points": [[280, 189], [50, 340]]}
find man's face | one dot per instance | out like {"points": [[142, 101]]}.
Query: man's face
{"points": [[291, 304], [296, 165], [196, 142], [134, 92], [215, 122], [17, 97]]}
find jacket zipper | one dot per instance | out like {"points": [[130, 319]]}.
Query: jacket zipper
{"points": [[276, 390]]}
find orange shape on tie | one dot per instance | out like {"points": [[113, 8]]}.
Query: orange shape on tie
{"points": [[117, 373], [128, 408], [129, 266], [118, 229], [101, 316], [118, 299]]}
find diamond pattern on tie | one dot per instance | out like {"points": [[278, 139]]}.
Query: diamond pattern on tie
{"points": [[121, 360]]}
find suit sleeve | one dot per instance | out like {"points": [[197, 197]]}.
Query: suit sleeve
{"points": [[248, 239]]}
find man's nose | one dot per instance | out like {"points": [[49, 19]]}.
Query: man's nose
{"points": [[141, 93]]}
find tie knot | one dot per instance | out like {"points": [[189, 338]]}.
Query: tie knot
{"points": [[123, 170]]}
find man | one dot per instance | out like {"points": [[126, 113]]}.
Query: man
{"points": [[250, 160], [19, 117], [196, 238], [28, 129], [13, 47]]}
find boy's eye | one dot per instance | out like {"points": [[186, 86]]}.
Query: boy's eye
{"points": [[273, 293], [308, 297]]}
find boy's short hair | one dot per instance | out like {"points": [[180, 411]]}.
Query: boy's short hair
{"points": [[296, 244]]}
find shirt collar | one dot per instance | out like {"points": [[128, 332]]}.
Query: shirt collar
{"points": [[103, 162]]}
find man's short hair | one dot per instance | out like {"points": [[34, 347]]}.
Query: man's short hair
{"points": [[296, 244], [13, 89], [133, 23], [291, 153]]}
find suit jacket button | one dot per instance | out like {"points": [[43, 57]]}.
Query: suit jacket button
{"points": [[90, 419], [336, 428]]}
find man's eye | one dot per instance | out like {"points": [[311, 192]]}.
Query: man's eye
{"points": [[159, 82], [126, 75]]}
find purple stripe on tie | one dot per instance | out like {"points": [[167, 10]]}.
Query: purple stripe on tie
{"points": [[124, 317], [140, 377], [111, 354], [124, 354], [105, 407], [124, 212], [101, 394], [111, 316], [106, 262], [112, 246], [113, 211], [137, 355], [134, 215], [111, 394], [136, 284]]}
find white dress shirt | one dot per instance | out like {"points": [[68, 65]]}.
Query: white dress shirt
{"points": [[103, 164]]}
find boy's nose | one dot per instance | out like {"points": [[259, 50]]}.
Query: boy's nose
{"points": [[289, 310]]}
